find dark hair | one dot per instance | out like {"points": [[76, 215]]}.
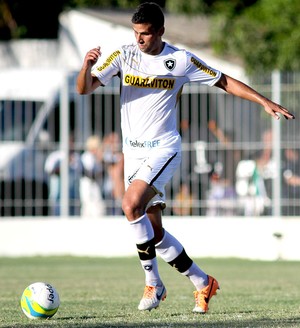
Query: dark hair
{"points": [[149, 13]]}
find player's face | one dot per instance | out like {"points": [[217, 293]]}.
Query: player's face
{"points": [[148, 38]]}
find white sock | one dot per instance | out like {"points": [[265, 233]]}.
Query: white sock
{"points": [[142, 229], [198, 278], [169, 248], [144, 236]]}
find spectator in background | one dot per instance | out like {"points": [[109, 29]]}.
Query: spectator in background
{"points": [[52, 168], [113, 160], [183, 202], [265, 157], [266, 166], [230, 156], [291, 182], [92, 203], [222, 195]]}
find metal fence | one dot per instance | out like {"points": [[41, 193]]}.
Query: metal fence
{"points": [[237, 161]]}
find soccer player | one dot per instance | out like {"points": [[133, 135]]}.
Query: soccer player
{"points": [[152, 74]]}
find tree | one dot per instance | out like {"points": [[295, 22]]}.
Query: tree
{"points": [[29, 19], [265, 35], [195, 7]]}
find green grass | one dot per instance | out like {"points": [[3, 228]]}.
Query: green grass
{"points": [[104, 292]]}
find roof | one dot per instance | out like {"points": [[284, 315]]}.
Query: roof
{"points": [[193, 31]]}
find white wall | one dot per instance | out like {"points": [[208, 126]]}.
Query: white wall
{"points": [[250, 238]]}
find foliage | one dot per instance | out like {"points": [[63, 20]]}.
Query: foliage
{"points": [[106, 3], [195, 7], [112, 3], [265, 35], [187, 7], [29, 19]]}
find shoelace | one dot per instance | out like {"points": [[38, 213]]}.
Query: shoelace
{"points": [[196, 294], [200, 297], [148, 292]]}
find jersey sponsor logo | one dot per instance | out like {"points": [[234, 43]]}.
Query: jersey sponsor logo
{"points": [[170, 64], [142, 144], [203, 68], [153, 83], [109, 60]]}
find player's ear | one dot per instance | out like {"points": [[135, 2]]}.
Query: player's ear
{"points": [[161, 31]]}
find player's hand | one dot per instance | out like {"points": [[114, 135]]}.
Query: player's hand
{"points": [[92, 56], [274, 110]]}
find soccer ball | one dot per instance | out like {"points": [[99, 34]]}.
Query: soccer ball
{"points": [[40, 301]]}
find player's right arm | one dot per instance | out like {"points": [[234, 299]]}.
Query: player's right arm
{"points": [[86, 82]]}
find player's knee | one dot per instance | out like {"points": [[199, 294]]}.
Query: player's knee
{"points": [[132, 210]]}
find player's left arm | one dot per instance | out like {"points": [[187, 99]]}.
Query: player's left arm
{"points": [[242, 90]]}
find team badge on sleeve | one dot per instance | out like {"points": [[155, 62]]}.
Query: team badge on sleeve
{"points": [[170, 64]]}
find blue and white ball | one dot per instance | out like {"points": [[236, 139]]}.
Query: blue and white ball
{"points": [[40, 301]]}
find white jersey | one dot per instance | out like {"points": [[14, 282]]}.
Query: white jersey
{"points": [[150, 90]]}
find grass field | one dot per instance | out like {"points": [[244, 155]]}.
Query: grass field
{"points": [[104, 292]]}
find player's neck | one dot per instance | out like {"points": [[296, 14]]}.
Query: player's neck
{"points": [[156, 51], [160, 48]]}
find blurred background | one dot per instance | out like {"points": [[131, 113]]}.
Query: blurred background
{"points": [[60, 153]]}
